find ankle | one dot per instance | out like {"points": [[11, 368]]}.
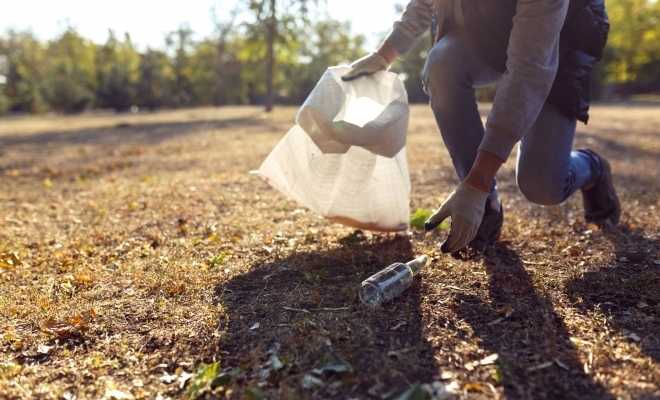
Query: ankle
{"points": [[596, 167], [494, 201]]}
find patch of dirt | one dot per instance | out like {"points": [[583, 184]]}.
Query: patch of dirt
{"points": [[137, 252]]}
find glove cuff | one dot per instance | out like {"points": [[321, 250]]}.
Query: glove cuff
{"points": [[474, 185], [388, 62], [471, 194]]}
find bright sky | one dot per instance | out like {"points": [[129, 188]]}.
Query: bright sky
{"points": [[148, 21]]}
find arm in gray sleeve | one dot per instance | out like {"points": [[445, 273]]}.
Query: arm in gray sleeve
{"points": [[409, 29], [533, 55]]}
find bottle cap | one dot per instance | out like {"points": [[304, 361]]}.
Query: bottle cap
{"points": [[418, 263]]}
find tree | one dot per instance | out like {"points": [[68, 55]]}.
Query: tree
{"points": [[71, 72], [633, 47], [224, 29], [203, 74], [24, 70], [328, 44], [154, 87], [274, 24], [181, 42], [118, 72], [4, 100], [412, 68]]}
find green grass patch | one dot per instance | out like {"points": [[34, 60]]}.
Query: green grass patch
{"points": [[422, 215]]}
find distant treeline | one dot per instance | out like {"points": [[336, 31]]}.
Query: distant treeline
{"points": [[278, 57]]}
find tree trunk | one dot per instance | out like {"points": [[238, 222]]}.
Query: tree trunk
{"points": [[219, 94], [270, 58]]}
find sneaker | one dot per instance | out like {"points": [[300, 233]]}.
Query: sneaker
{"points": [[488, 233], [601, 204]]}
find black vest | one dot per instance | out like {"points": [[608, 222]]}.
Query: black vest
{"points": [[581, 45]]}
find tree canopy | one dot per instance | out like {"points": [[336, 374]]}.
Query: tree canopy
{"points": [[276, 53]]}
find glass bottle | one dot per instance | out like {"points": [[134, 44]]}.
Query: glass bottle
{"points": [[391, 281]]}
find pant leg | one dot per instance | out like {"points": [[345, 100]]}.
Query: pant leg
{"points": [[547, 170], [451, 73]]}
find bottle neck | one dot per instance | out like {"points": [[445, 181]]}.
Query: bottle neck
{"points": [[418, 264]]}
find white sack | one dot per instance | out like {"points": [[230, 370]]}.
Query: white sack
{"points": [[371, 111], [330, 164]]}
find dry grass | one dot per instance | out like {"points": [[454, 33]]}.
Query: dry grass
{"points": [[143, 248]]}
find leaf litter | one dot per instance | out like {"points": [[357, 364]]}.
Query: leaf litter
{"points": [[179, 276]]}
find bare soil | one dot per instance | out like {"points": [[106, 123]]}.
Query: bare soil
{"points": [[141, 259]]}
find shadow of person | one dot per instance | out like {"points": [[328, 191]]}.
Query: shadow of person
{"points": [[626, 292], [536, 357], [296, 327]]}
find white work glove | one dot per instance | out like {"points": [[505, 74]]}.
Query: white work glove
{"points": [[366, 65], [466, 206]]}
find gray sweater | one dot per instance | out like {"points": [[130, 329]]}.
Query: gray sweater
{"points": [[533, 54]]}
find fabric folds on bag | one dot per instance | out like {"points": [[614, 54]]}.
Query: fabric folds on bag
{"points": [[345, 158]]}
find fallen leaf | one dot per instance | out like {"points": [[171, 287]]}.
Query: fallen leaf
{"points": [[545, 365], [332, 362], [495, 322], [208, 377], [58, 328], [168, 378], [473, 387], [9, 261], [505, 310], [561, 364], [641, 305], [446, 375], [43, 349], [116, 395], [267, 249], [471, 365], [634, 337], [82, 278], [183, 378], [309, 382], [397, 326], [255, 326], [490, 359], [76, 321]]}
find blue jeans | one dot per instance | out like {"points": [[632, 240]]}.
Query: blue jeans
{"points": [[547, 170]]}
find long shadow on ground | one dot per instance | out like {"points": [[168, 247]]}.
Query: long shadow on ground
{"points": [[536, 357], [124, 133], [304, 310], [627, 293]]}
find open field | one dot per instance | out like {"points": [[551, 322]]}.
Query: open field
{"points": [[137, 248]]}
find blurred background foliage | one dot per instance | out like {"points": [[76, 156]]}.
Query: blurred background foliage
{"points": [[276, 54]]}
